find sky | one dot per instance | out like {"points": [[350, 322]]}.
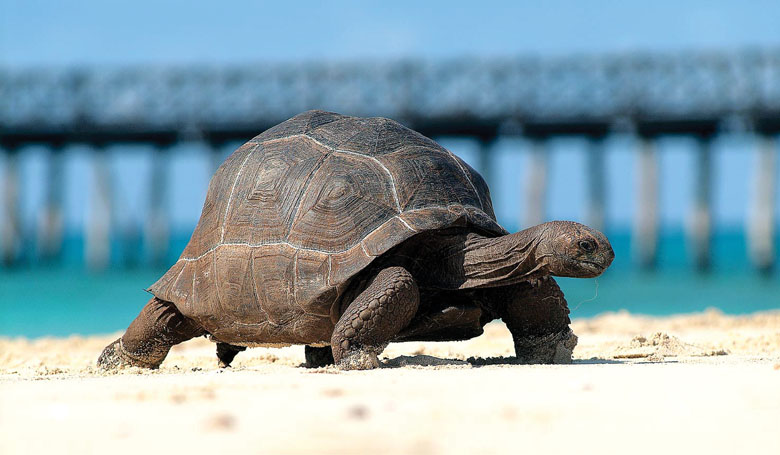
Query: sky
{"points": [[43, 32], [110, 33]]}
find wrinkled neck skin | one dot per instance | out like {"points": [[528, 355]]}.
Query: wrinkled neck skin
{"points": [[505, 260]]}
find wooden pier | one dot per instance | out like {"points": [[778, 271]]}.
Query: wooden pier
{"points": [[639, 95]]}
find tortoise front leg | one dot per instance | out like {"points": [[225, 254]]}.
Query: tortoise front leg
{"points": [[537, 315], [150, 336], [375, 316]]}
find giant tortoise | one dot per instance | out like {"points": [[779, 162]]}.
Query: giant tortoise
{"points": [[344, 234]]}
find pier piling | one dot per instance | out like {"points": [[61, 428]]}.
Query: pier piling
{"points": [[645, 235], [50, 227], [10, 223], [700, 219], [761, 219], [596, 179], [156, 229], [484, 160], [97, 246], [536, 184]]}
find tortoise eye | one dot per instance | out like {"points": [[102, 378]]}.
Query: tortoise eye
{"points": [[587, 246]]}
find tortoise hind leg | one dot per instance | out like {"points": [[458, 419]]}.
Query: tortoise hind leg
{"points": [[149, 337], [374, 318], [227, 352], [318, 357]]}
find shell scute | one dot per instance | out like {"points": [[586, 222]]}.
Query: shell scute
{"points": [[311, 276], [233, 278], [429, 178], [266, 195], [300, 124], [273, 275], [342, 207], [392, 137]]}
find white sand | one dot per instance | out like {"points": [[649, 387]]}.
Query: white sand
{"points": [[707, 383]]}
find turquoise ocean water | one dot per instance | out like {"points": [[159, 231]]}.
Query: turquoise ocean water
{"points": [[66, 299]]}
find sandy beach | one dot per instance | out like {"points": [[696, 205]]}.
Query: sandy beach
{"points": [[701, 383]]}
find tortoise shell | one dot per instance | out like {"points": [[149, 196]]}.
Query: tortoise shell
{"points": [[292, 215]]}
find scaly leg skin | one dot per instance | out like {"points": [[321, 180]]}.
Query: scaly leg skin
{"points": [[318, 357], [149, 337], [375, 316], [537, 315], [227, 352]]}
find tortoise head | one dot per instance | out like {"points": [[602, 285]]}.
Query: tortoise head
{"points": [[572, 249], [559, 248]]}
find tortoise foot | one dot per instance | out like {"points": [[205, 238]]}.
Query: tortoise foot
{"points": [[359, 360], [114, 356], [556, 348]]}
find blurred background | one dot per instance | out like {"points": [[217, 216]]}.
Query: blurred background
{"points": [[655, 122]]}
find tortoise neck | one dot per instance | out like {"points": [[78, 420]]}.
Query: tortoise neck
{"points": [[505, 260]]}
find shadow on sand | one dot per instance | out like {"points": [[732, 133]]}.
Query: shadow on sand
{"points": [[431, 361]]}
